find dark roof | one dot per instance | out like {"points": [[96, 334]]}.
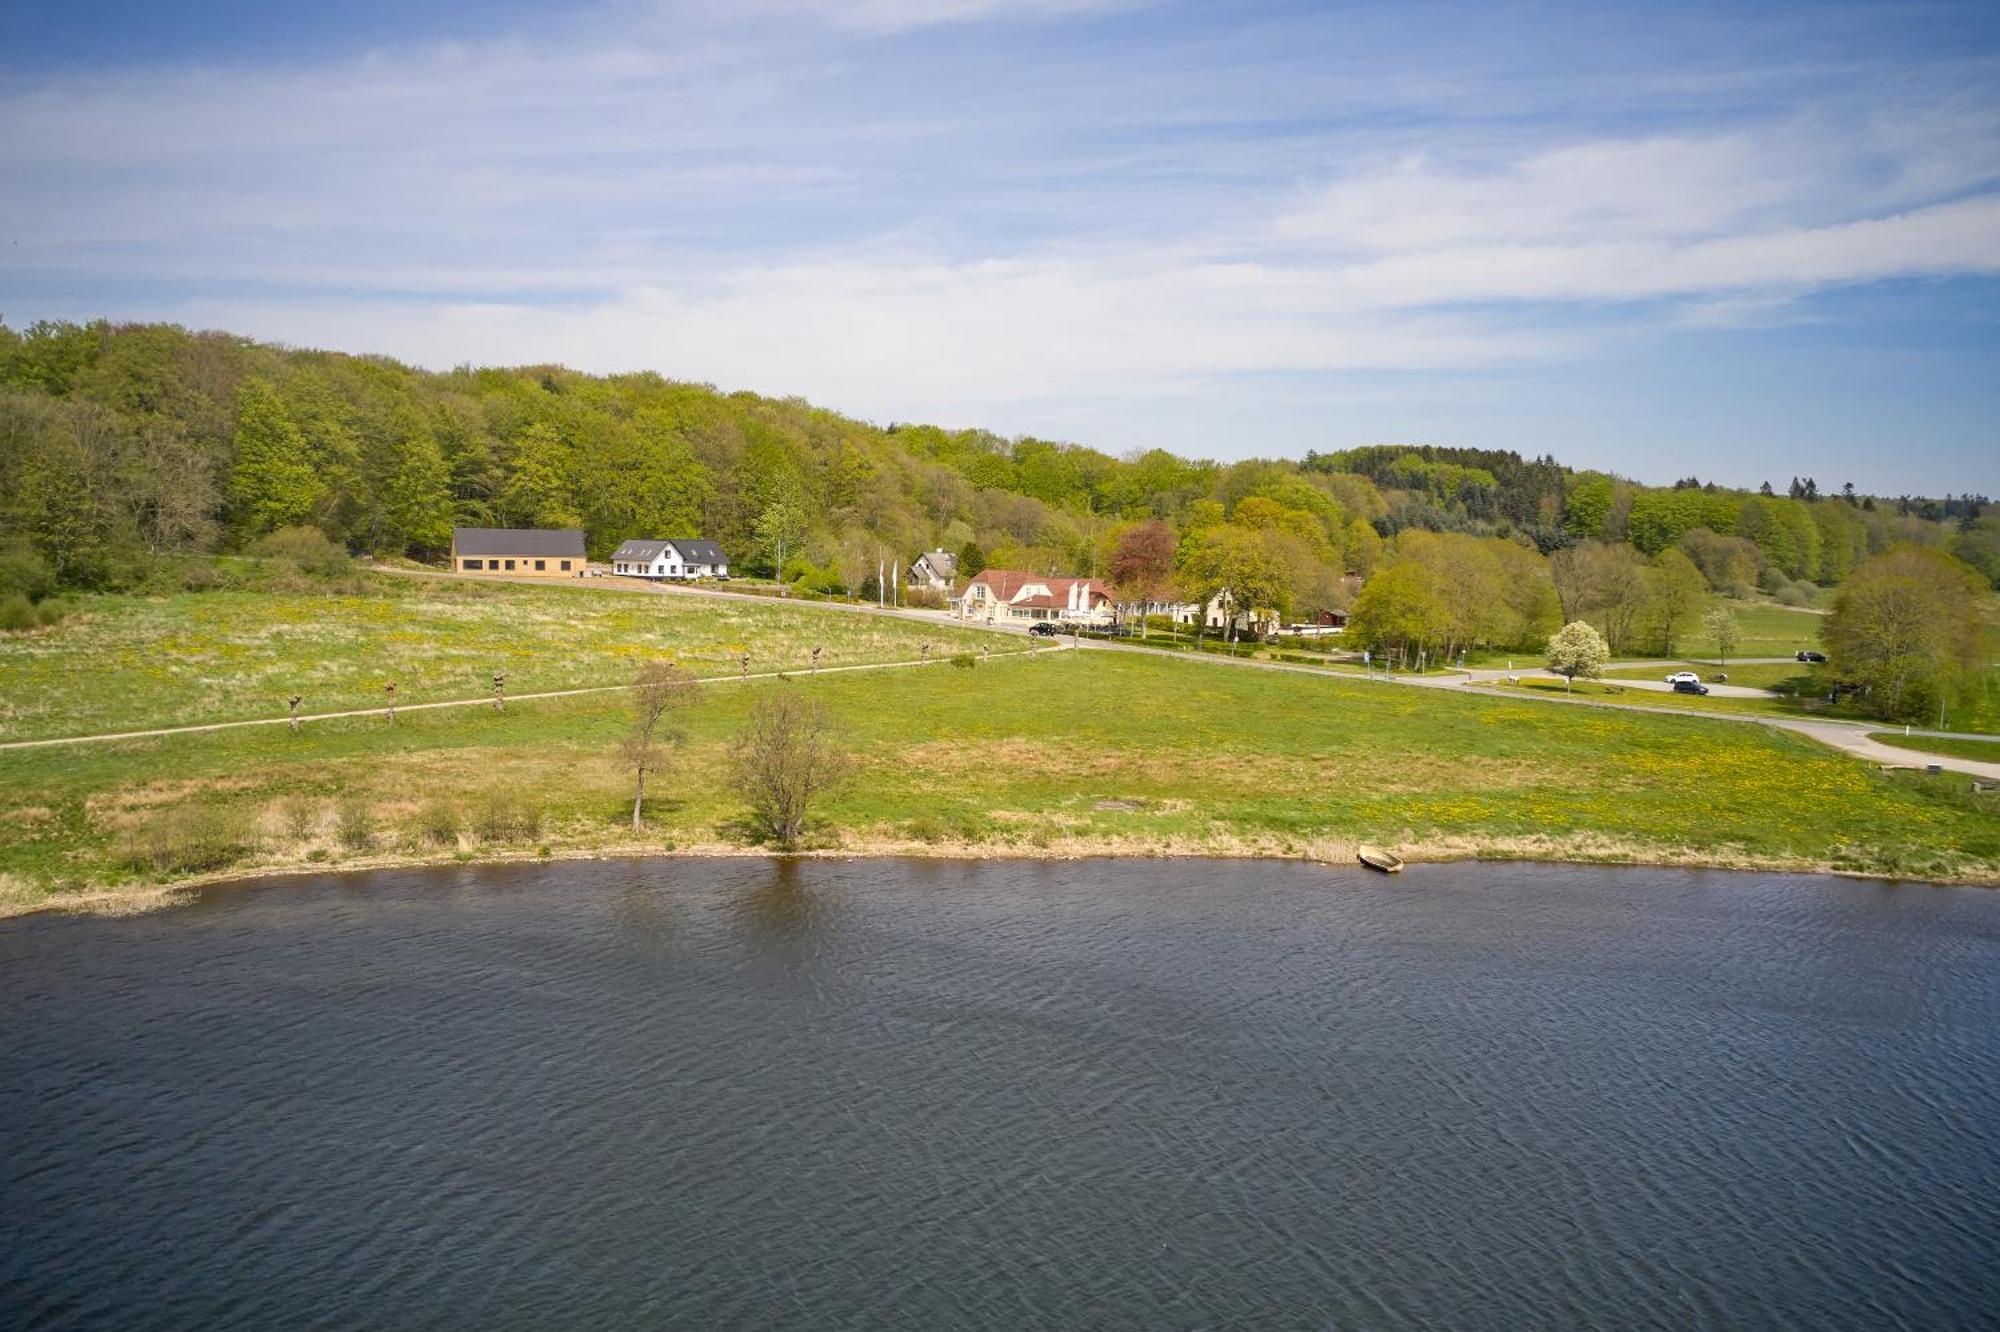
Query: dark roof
{"points": [[700, 552], [691, 552], [943, 562], [517, 541]]}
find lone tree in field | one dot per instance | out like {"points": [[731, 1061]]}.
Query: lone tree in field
{"points": [[1720, 625], [785, 756], [663, 697], [1577, 649]]}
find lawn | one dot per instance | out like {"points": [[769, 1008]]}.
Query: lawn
{"points": [[1985, 750], [126, 663], [1066, 754]]}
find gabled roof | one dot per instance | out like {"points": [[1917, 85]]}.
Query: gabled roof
{"points": [[566, 542], [943, 563], [643, 551], [1007, 585], [697, 551]]}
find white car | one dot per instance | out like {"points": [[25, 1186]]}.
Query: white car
{"points": [[1683, 677]]}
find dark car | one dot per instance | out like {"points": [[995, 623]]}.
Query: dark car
{"points": [[1811, 656], [1689, 687], [1042, 630]]}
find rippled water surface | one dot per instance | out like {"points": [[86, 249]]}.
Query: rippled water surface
{"points": [[1008, 1095]]}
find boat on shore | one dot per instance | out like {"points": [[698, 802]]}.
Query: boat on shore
{"points": [[1377, 859]]}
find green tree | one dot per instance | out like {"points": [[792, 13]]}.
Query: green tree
{"points": [[540, 489], [1236, 565], [780, 527], [1906, 626], [273, 484], [1675, 594], [417, 517], [1577, 649], [1400, 608]]}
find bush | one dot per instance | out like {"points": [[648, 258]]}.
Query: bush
{"points": [[189, 839], [506, 817], [24, 573], [18, 613], [300, 817], [964, 661], [1796, 594], [306, 549], [357, 824], [923, 598], [437, 824]]}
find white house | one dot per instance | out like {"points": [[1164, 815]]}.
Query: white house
{"points": [[682, 560], [936, 570], [1001, 596], [1215, 615]]}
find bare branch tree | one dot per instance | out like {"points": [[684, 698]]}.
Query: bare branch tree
{"points": [[663, 697], [785, 757]]}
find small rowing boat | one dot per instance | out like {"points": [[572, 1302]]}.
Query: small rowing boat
{"points": [[1377, 859]]}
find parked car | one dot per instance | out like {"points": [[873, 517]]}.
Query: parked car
{"points": [[1811, 656], [1042, 629], [1683, 677], [1690, 687]]}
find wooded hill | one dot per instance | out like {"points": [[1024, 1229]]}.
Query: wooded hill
{"points": [[129, 451]]}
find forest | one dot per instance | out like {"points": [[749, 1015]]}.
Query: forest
{"points": [[132, 454]]}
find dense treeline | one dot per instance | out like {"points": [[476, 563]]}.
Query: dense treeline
{"points": [[129, 452]]}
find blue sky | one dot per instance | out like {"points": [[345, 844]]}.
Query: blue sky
{"points": [[1743, 242]]}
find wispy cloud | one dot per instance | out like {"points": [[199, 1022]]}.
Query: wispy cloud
{"points": [[795, 202]]}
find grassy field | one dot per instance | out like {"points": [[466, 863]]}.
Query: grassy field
{"points": [[1069, 754], [127, 663], [1986, 750]]}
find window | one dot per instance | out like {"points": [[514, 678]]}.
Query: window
{"points": [[565, 566], [510, 565], [471, 564], [541, 566]]}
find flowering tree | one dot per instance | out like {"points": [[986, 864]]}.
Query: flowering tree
{"points": [[1577, 649]]}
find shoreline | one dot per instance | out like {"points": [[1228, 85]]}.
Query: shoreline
{"points": [[1585, 851]]}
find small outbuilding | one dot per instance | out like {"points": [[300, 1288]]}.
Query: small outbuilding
{"points": [[534, 552]]}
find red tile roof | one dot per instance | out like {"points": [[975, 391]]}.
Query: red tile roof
{"points": [[1006, 585]]}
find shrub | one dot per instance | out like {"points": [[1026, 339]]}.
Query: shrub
{"points": [[306, 549], [300, 817], [1795, 594], [357, 824], [505, 816], [964, 661], [189, 839], [437, 824], [18, 613], [24, 573], [923, 598]]}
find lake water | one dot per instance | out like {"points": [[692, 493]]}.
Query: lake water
{"points": [[1008, 1095]]}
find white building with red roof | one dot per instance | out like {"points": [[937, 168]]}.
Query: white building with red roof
{"points": [[1010, 596]]}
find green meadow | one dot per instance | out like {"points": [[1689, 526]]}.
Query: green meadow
{"points": [[118, 663], [1064, 754]]}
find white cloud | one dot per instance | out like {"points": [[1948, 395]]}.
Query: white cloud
{"points": [[765, 215]]}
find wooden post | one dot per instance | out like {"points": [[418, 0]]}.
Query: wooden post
{"points": [[499, 692], [745, 668], [815, 661], [292, 705]]}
